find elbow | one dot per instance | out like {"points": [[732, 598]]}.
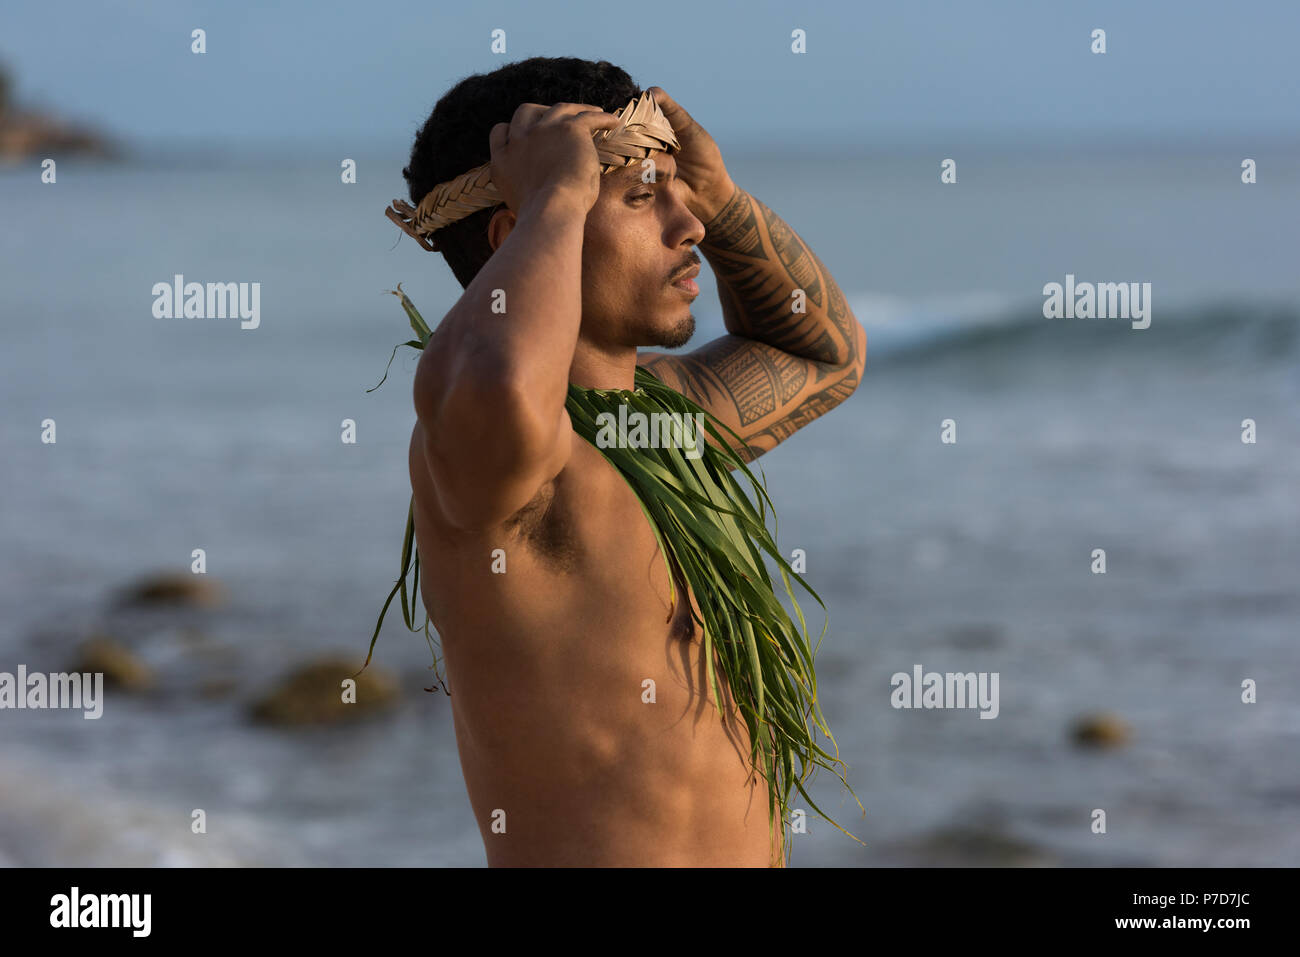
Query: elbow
{"points": [[856, 364], [859, 344]]}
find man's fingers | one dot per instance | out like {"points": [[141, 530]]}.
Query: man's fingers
{"points": [[574, 108], [528, 115], [597, 120], [669, 105], [559, 111], [525, 115], [683, 123], [591, 117]]}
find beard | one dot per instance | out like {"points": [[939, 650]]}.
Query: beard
{"points": [[674, 336]]}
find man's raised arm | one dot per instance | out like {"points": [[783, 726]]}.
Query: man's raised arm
{"points": [[795, 350], [490, 388], [774, 288]]}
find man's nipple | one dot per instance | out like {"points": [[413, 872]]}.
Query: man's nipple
{"points": [[683, 622]]}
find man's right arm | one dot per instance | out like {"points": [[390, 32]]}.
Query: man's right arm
{"points": [[490, 389], [491, 386]]}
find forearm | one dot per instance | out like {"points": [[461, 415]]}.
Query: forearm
{"points": [[774, 289]]}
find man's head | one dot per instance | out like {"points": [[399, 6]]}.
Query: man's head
{"points": [[638, 236]]}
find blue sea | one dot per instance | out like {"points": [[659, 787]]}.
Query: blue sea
{"points": [[1072, 435]]}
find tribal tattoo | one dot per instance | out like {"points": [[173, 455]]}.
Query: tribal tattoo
{"points": [[760, 262], [779, 368]]}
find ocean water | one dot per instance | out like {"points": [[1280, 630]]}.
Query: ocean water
{"points": [[974, 556]]}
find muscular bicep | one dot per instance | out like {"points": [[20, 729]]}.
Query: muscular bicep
{"points": [[484, 445], [761, 393]]}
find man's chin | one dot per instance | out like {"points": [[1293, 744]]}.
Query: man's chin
{"points": [[673, 336]]}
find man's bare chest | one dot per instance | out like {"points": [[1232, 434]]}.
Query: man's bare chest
{"points": [[589, 518]]}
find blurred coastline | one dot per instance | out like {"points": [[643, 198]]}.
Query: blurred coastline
{"points": [[27, 132]]}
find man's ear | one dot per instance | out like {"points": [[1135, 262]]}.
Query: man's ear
{"points": [[499, 227]]}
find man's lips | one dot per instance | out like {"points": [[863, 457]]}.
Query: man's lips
{"points": [[686, 282]]}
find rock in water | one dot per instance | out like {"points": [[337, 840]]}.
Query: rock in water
{"points": [[1102, 730], [315, 694], [171, 588], [120, 667]]}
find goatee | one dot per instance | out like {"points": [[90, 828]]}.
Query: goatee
{"points": [[677, 336]]}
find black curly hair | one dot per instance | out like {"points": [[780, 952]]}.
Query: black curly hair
{"points": [[455, 136]]}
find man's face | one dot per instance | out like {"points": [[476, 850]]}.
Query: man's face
{"points": [[639, 238]]}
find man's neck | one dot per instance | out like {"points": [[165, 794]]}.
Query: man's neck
{"points": [[599, 368]]}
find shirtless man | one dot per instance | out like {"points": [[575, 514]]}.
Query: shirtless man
{"points": [[563, 761]]}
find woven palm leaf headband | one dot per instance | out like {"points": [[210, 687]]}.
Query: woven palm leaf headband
{"points": [[644, 129]]}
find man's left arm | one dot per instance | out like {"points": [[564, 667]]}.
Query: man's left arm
{"points": [[794, 349]]}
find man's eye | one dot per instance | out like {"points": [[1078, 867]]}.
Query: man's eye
{"points": [[642, 196]]}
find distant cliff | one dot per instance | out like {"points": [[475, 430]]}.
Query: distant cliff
{"points": [[29, 133]]}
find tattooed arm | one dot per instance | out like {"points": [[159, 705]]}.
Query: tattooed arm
{"points": [[795, 350]]}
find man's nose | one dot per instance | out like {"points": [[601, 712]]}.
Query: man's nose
{"points": [[685, 226]]}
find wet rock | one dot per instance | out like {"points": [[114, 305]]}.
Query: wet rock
{"points": [[313, 694], [173, 588], [1103, 730], [978, 835], [969, 846], [121, 668]]}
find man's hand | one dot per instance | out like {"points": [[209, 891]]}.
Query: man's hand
{"points": [[548, 149], [699, 162]]}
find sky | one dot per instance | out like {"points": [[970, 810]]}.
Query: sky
{"points": [[874, 72]]}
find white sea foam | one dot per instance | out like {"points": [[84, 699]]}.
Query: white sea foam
{"points": [[50, 819], [895, 324]]}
